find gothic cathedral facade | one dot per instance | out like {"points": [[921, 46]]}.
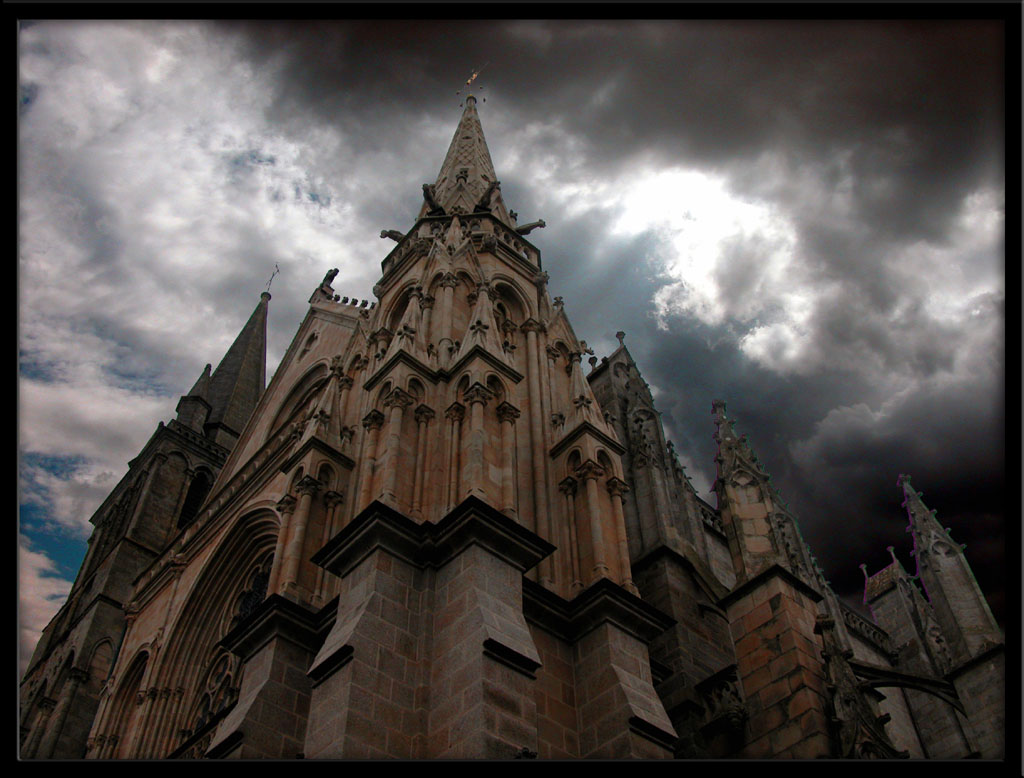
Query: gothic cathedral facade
{"points": [[433, 535]]}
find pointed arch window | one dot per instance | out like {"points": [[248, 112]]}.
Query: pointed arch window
{"points": [[197, 492]]}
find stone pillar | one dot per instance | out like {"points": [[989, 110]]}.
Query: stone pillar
{"points": [[568, 487], [276, 643], [445, 344], [617, 488], [474, 470], [423, 664], [455, 414], [285, 507], [344, 391], [372, 423], [538, 457], [307, 487], [426, 309], [618, 711], [421, 468], [332, 501], [49, 745], [507, 415], [46, 707], [772, 618], [589, 472], [397, 400], [150, 746]]}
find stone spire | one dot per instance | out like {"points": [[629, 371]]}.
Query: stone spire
{"points": [[766, 531], [194, 408], [947, 579], [467, 182], [239, 380]]}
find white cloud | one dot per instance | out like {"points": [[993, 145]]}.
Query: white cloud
{"points": [[722, 257], [40, 595]]}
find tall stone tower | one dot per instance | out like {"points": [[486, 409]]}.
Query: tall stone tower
{"points": [[158, 497], [435, 536]]}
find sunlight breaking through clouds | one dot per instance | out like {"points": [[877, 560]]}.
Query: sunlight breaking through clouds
{"points": [[722, 257]]}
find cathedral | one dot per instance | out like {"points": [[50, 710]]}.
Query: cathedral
{"points": [[435, 534]]}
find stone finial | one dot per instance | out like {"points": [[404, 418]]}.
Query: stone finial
{"points": [[864, 569], [621, 336]]}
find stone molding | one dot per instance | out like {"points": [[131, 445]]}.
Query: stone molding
{"points": [[762, 578], [603, 601], [276, 617], [471, 522]]}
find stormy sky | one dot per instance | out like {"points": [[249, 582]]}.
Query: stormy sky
{"points": [[805, 220]]}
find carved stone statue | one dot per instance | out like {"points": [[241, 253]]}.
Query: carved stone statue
{"points": [[526, 229], [484, 203], [395, 235], [428, 196]]}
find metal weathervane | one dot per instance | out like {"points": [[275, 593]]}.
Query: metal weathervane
{"points": [[470, 80], [276, 271]]}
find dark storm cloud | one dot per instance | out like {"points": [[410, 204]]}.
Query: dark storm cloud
{"points": [[866, 139]]}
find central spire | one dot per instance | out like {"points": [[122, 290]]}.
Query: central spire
{"points": [[467, 182]]}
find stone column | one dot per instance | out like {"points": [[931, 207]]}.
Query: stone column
{"points": [[344, 390], [286, 507], [455, 414], [460, 680], [445, 344], [426, 308], [538, 457], [75, 678], [372, 423], [589, 472], [507, 415], [617, 488], [332, 501], [46, 707], [307, 487], [139, 736], [397, 400], [151, 746], [421, 468], [567, 486], [474, 470]]}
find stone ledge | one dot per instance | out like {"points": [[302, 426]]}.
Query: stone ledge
{"points": [[472, 522], [705, 578], [602, 601], [988, 653], [276, 617], [775, 571]]}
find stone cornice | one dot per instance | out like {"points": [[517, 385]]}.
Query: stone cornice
{"points": [[604, 601], [207, 446], [472, 522], [276, 617], [761, 578], [987, 654], [399, 256]]}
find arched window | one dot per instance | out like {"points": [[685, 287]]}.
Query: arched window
{"points": [[219, 692], [197, 492]]}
